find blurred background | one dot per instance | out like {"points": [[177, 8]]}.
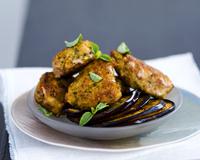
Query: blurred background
{"points": [[32, 31]]}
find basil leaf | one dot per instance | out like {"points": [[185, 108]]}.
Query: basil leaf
{"points": [[93, 110], [85, 118], [73, 43], [123, 48], [95, 47], [45, 112], [105, 57], [101, 106], [98, 54], [95, 77]]}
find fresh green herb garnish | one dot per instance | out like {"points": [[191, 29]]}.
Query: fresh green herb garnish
{"points": [[96, 50], [123, 48], [45, 112], [98, 54], [95, 77], [76, 41], [105, 57], [87, 116], [95, 47], [100, 106]]}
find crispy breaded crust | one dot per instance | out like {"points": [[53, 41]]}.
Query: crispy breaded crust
{"points": [[139, 75], [84, 93], [70, 60], [50, 92]]}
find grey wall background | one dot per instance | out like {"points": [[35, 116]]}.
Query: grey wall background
{"points": [[12, 18], [152, 29]]}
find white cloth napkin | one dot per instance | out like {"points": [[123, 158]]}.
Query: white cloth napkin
{"points": [[183, 71]]}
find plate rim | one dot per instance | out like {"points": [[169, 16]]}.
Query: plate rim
{"points": [[103, 149], [96, 148]]}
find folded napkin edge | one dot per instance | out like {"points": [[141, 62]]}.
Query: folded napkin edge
{"points": [[4, 96]]}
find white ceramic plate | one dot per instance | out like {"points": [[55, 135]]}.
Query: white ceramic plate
{"points": [[182, 125], [105, 133]]}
